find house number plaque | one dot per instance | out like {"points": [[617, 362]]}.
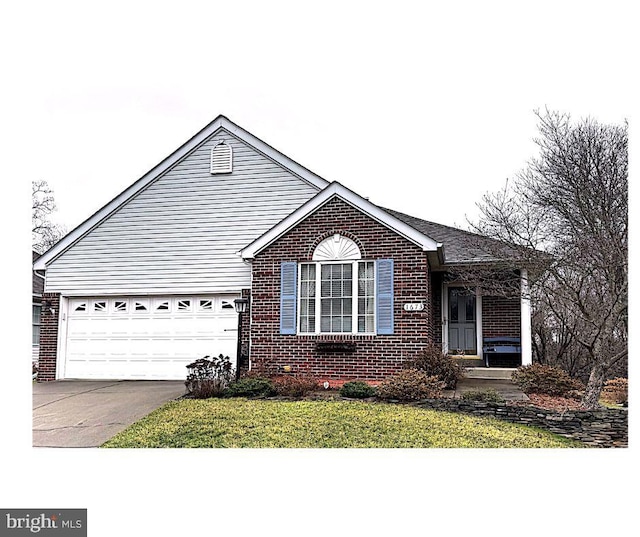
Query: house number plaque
{"points": [[414, 306]]}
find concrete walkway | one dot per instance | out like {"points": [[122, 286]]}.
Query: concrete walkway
{"points": [[83, 413], [507, 389]]}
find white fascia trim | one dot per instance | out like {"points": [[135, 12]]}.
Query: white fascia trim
{"points": [[273, 154], [350, 197], [221, 122]]}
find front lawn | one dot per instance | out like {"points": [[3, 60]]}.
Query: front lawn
{"points": [[236, 423]]}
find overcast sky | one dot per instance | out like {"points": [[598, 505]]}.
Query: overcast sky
{"points": [[420, 106], [421, 110]]}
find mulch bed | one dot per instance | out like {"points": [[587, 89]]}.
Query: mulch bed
{"points": [[550, 402]]}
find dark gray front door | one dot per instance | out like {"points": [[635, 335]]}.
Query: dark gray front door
{"points": [[462, 321]]}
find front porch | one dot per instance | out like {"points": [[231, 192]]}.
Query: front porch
{"points": [[481, 330]]}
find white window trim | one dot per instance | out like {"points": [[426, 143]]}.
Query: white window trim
{"points": [[114, 308], [445, 321], [38, 324], [94, 311], [318, 298], [203, 309], [186, 308]]}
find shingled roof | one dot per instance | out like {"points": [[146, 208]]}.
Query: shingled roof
{"points": [[460, 247]]}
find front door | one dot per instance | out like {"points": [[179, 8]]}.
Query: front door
{"points": [[462, 321]]}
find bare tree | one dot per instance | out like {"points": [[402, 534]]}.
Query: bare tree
{"points": [[44, 234], [566, 216]]}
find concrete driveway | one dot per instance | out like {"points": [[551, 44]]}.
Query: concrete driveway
{"points": [[85, 413]]}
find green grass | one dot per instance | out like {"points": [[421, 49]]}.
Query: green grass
{"points": [[237, 423]]}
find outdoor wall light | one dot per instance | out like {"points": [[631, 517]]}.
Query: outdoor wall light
{"points": [[241, 305], [46, 306]]}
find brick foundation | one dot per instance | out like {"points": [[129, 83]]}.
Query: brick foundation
{"points": [[48, 337]]}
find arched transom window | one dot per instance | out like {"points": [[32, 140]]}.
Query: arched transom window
{"points": [[337, 290], [336, 247]]}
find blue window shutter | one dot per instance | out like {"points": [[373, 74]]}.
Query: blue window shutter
{"points": [[288, 298], [384, 296]]}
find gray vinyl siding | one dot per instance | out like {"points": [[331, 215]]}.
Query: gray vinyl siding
{"points": [[181, 234]]}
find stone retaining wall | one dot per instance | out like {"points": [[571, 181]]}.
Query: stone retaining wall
{"points": [[596, 428]]}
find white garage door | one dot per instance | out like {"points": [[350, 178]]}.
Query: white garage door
{"points": [[146, 337]]}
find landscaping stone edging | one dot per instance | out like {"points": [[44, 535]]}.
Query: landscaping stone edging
{"points": [[595, 428]]}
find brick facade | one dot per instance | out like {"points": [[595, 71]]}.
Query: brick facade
{"points": [[500, 316], [437, 279], [48, 337], [245, 332], [374, 357]]}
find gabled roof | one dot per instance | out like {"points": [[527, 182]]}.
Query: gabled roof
{"points": [[221, 122], [335, 189]]}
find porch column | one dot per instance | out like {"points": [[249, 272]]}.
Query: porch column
{"points": [[525, 318]]}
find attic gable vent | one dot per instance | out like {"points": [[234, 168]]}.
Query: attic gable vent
{"points": [[221, 158]]}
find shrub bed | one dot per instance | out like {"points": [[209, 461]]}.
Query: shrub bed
{"points": [[545, 379], [411, 385], [616, 391], [209, 377], [437, 364], [251, 387], [357, 390], [484, 396], [296, 385]]}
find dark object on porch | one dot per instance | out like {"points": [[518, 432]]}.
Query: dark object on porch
{"points": [[502, 352]]}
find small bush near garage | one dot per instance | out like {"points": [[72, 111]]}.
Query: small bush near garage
{"points": [[437, 364], [545, 379], [209, 377], [251, 387], [483, 396], [411, 385], [357, 389], [296, 385], [616, 391]]}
